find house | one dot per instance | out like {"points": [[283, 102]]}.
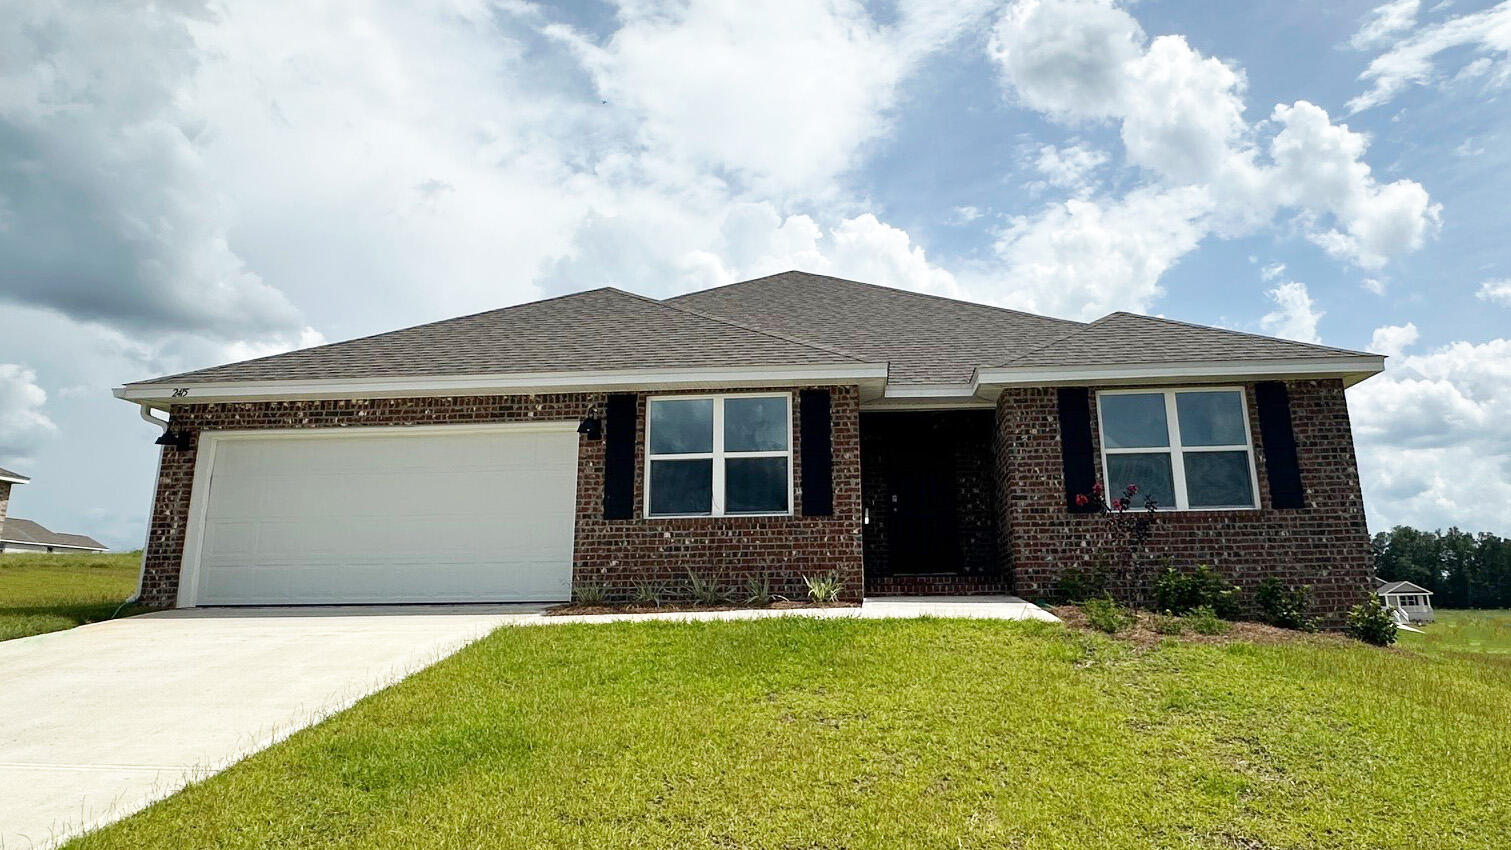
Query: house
{"points": [[1409, 603], [785, 426], [23, 535]]}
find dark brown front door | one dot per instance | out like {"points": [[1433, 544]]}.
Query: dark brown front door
{"points": [[921, 522]]}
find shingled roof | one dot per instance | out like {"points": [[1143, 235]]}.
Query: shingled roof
{"points": [[587, 331], [13, 477], [1122, 338], [926, 339], [18, 530]]}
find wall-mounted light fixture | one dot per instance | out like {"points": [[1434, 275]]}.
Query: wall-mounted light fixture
{"points": [[181, 440], [591, 427]]}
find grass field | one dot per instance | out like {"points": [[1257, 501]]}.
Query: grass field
{"points": [[1483, 636], [46, 593], [799, 733]]}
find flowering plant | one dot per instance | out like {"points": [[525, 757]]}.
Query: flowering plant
{"points": [[1125, 533]]}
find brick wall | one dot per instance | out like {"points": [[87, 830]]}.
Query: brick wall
{"points": [[1325, 544], [612, 553], [4, 502]]}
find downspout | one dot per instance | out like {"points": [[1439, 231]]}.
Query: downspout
{"points": [[145, 411]]}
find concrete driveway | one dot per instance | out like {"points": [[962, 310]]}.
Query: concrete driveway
{"points": [[99, 721]]}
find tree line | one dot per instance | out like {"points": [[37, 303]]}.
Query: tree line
{"points": [[1462, 570]]}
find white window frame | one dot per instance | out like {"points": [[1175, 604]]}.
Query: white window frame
{"points": [[1177, 451], [718, 456]]}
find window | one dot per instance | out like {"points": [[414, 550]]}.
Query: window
{"points": [[718, 455], [1186, 449]]}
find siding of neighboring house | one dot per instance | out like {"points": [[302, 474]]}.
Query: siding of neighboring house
{"points": [[10, 546], [1324, 545], [4, 502], [613, 553]]}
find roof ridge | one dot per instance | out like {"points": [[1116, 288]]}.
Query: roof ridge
{"points": [[732, 323], [1250, 334], [898, 290], [1059, 339]]}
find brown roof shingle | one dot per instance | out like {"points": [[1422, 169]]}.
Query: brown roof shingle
{"points": [[593, 330], [18, 530], [1121, 338], [926, 339]]}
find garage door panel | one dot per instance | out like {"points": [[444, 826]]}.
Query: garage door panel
{"points": [[473, 516]]}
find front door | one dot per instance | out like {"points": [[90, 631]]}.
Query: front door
{"points": [[921, 520]]}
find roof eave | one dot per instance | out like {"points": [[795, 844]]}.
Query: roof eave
{"points": [[1350, 368], [871, 377]]}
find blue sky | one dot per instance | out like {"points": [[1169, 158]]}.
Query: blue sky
{"points": [[190, 185]]}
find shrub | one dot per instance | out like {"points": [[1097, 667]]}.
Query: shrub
{"points": [[1370, 622], [1204, 621], [824, 588], [705, 591], [1105, 615], [1167, 625], [758, 591], [1286, 607], [1179, 592], [590, 594], [1076, 586], [648, 593]]}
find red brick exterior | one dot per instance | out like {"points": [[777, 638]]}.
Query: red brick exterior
{"points": [[4, 501], [611, 553], [1325, 544]]}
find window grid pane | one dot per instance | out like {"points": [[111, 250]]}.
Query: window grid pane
{"points": [[755, 480], [1221, 475]]}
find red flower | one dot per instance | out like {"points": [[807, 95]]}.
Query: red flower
{"points": [[1097, 487], [1132, 488], [1081, 500]]}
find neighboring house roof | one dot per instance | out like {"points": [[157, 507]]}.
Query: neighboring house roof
{"points": [[927, 339], [18, 530], [12, 477], [1401, 587], [595, 330], [1131, 338]]}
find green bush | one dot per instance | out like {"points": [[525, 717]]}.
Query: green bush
{"points": [[1106, 615], [1179, 592], [1370, 622], [758, 591], [590, 594], [1286, 607], [1167, 625], [1204, 620], [705, 591], [823, 589], [1076, 586], [648, 593]]}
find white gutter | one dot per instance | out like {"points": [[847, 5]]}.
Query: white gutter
{"points": [[1351, 368], [870, 375]]}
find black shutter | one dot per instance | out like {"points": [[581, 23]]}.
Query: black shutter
{"points": [[817, 453], [1076, 450], [619, 457], [1279, 440]]}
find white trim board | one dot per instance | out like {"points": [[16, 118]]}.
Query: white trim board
{"points": [[204, 467], [871, 376], [1351, 368]]}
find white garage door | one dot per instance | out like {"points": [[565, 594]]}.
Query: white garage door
{"points": [[432, 515]]}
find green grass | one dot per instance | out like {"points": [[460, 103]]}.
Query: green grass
{"points": [[1483, 636], [46, 593], [800, 733]]}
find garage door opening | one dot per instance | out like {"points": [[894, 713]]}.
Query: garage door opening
{"points": [[383, 515]]}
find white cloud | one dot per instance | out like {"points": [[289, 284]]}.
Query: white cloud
{"points": [[24, 425], [1071, 167], [1296, 315], [1393, 340], [1412, 60], [1385, 22], [782, 93], [1373, 285], [1181, 119], [1434, 449], [1272, 271], [1496, 292]]}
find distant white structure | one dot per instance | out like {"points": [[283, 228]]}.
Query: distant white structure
{"points": [[1408, 602]]}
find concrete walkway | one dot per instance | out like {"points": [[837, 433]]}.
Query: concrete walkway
{"points": [[99, 721]]}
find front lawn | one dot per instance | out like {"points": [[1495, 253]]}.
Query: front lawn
{"points": [[45, 593], [1480, 635], [803, 733]]}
